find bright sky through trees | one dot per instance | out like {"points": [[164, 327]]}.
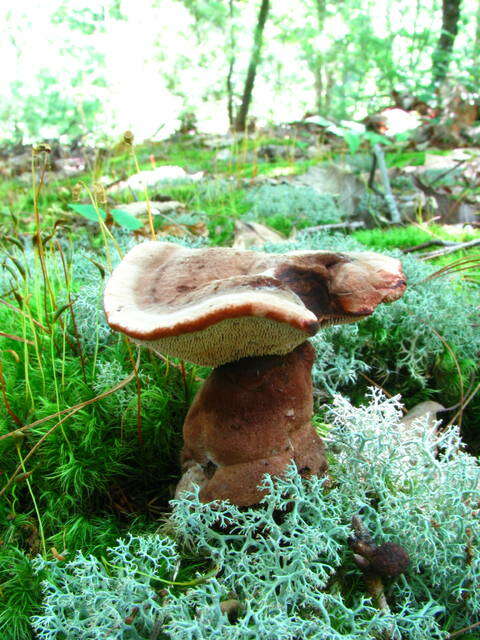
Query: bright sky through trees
{"points": [[100, 67]]}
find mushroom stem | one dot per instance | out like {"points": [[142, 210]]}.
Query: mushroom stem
{"points": [[388, 560], [251, 417]]}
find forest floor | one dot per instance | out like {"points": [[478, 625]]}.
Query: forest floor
{"points": [[89, 435]]}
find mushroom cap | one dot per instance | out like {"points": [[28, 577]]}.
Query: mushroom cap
{"points": [[216, 305], [389, 560]]}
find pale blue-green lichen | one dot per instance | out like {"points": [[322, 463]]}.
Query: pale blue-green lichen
{"points": [[288, 562]]}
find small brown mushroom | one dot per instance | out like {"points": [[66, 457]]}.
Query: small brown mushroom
{"points": [[231, 608], [248, 314], [388, 560]]}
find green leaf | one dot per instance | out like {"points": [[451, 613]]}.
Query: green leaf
{"points": [[353, 140], [88, 211], [126, 220]]}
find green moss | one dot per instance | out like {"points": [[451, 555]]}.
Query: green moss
{"points": [[396, 237], [20, 594], [111, 467], [410, 236]]}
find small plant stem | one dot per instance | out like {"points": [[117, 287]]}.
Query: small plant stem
{"points": [[95, 353], [184, 377], [376, 590], [35, 506], [57, 390], [37, 347], [103, 228], [465, 403], [189, 583], [450, 249], [26, 360], [459, 413], [462, 264], [36, 212], [389, 198], [3, 387], [74, 322], [73, 409], [16, 338], [145, 193], [460, 632], [139, 392], [32, 450], [26, 315]]}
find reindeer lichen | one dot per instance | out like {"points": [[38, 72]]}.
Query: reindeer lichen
{"points": [[288, 562]]}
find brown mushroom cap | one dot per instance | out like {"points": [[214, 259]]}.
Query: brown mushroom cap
{"points": [[217, 305], [389, 560]]}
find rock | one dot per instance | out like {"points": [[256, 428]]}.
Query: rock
{"points": [[393, 121], [217, 142], [275, 152], [435, 163], [155, 178], [194, 475], [69, 167], [336, 181], [20, 163], [16, 165], [421, 420], [414, 419], [157, 208], [253, 234], [472, 134], [443, 179], [224, 155]]}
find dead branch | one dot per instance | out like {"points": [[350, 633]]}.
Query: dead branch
{"points": [[429, 243], [389, 198], [336, 225], [460, 632], [450, 249]]}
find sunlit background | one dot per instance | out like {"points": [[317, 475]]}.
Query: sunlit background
{"points": [[76, 68]]}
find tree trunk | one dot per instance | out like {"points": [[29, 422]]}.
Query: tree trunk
{"points": [[241, 120], [320, 92], [231, 65], [442, 54], [476, 44]]}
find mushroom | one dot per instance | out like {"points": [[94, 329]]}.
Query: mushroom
{"points": [[389, 560], [249, 315]]}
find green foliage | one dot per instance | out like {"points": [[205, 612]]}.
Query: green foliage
{"points": [[288, 562], [410, 236], [126, 220], [387, 239], [20, 593], [88, 211], [122, 218], [108, 467], [341, 61]]}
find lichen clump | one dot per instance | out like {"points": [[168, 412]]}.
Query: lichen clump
{"points": [[288, 563]]}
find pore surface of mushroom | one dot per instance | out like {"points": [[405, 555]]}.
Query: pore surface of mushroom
{"points": [[248, 314]]}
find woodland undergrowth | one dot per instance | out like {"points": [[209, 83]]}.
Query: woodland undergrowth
{"points": [[90, 431]]}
